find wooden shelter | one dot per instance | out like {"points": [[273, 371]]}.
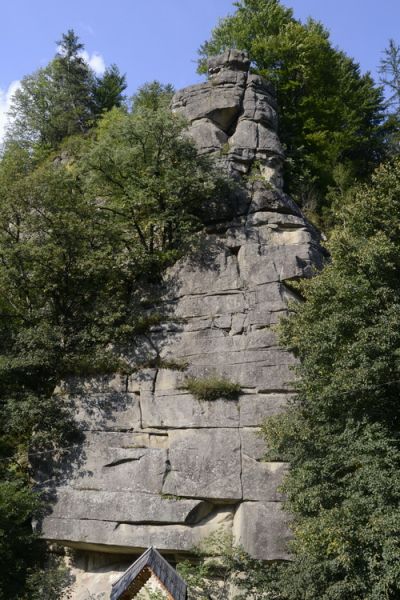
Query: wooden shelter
{"points": [[149, 564]]}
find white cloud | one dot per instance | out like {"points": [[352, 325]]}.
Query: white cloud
{"points": [[95, 61], [5, 103]]}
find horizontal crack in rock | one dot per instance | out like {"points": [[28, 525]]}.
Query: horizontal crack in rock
{"points": [[121, 461]]}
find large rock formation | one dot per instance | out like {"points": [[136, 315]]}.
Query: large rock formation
{"points": [[159, 467]]}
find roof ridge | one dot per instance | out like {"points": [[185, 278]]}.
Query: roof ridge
{"points": [[160, 567]]}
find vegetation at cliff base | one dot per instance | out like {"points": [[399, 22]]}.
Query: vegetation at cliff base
{"points": [[98, 197], [223, 570]]}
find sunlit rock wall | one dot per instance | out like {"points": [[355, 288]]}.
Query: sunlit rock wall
{"points": [[159, 467]]}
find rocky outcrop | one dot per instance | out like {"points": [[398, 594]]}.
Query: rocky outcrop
{"points": [[158, 466], [234, 114]]}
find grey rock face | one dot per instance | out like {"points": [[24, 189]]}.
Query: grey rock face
{"points": [[234, 117], [262, 528], [159, 466], [209, 459]]}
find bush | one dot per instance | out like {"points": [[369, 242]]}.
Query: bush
{"points": [[212, 388]]}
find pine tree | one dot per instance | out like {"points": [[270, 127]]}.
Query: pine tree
{"points": [[390, 74], [64, 98], [108, 90], [390, 78]]}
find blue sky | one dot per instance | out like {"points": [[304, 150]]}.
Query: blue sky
{"points": [[158, 39]]}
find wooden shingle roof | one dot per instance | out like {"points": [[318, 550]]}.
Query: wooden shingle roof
{"points": [[150, 562]]}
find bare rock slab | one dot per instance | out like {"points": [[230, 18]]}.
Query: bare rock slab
{"points": [[127, 507], [109, 466], [205, 462], [111, 536], [185, 411]]}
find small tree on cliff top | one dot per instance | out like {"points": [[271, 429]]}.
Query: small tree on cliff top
{"points": [[63, 98]]}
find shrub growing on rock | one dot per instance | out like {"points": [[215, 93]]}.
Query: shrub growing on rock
{"points": [[212, 388]]}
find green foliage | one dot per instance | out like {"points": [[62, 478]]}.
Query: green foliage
{"points": [[21, 552], [212, 388], [223, 570], [148, 177], [146, 593], [86, 232], [85, 236], [55, 101], [330, 114], [63, 98], [390, 78], [341, 433], [17, 542], [153, 96], [50, 583], [108, 90]]}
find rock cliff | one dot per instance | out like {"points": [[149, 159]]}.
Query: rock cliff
{"points": [[159, 467]]}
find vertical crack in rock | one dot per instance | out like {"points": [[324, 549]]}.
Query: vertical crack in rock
{"points": [[241, 458], [140, 412], [155, 381], [167, 470]]}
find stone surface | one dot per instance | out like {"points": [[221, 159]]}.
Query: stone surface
{"points": [[120, 463], [234, 116], [127, 507], [112, 536], [185, 411], [206, 459], [263, 530], [158, 466]]}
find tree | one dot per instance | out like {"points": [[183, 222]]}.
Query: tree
{"points": [[64, 98], [149, 176], [330, 114], [390, 73], [17, 541], [222, 570], [108, 90], [56, 101], [153, 95], [341, 433]]}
